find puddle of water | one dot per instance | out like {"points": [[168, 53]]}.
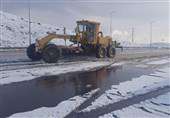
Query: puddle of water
{"points": [[49, 91]]}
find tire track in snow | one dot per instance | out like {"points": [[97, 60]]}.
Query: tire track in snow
{"points": [[119, 105]]}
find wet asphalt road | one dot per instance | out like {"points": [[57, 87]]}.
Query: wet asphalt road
{"points": [[12, 56]]}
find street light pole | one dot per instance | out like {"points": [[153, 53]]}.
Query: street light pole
{"points": [[29, 15], [1, 21], [111, 14], [132, 34], [151, 33]]}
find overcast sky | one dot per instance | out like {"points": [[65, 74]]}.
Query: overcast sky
{"points": [[126, 14]]}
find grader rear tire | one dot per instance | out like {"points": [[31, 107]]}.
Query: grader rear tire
{"points": [[51, 53], [101, 52], [111, 52], [32, 54]]}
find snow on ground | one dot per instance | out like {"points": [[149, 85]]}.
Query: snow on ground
{"points": [[14, 31], [136, 86], [19, 75], [158, 107], [154, 61], [164, 61], [59, 111]]}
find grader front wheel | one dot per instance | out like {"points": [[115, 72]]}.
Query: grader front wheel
{"points": [[51, 53], [32, 54], [101, 52], [111, 52]]}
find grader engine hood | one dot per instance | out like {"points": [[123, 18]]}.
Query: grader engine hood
{"points": [[105, 41]]}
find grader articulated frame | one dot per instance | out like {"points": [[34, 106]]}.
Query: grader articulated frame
{"points": [[88, 38]]}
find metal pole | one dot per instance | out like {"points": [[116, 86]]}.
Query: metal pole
{"points": [[111, 24], [111, 13], [64, 30], [151, 33], [132, 34], [1, 21], [29, 10]]}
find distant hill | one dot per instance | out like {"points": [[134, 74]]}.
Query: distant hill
{"points": [[14, 30]]}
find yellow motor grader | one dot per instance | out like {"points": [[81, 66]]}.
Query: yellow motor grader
{"points": [[88, 39]]}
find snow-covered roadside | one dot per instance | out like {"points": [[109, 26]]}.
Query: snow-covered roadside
{"points": [[136, 86], [155, 61], [60, 111], [7, 77], [153, 108], [163, 61]]}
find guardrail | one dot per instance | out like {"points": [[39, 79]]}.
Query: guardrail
{"points": [[3, 49]]}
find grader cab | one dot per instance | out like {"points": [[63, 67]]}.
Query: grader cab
{"points": [[88, 38]]}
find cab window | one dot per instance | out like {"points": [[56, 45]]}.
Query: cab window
{"points": [[80, 27]]}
